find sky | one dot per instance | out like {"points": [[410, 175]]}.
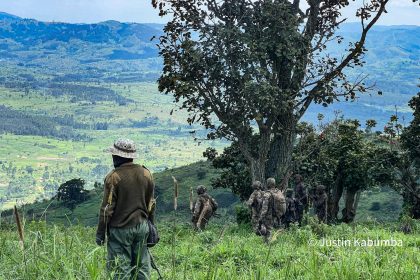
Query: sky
{"points": [[400, 12]]}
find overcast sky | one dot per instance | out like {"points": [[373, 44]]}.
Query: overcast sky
{"points": [[91, 11]]}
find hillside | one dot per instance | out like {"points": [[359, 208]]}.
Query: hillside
{"points": [[108, 51], [189, 176]]}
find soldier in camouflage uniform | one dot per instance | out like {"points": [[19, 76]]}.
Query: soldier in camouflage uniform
{"points": [[127, 204], [266, 215], [301, 197], [278, 202], [320, 203], [204, 207], [255, 203], [290, 215]]}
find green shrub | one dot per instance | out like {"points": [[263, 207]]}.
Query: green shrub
{"points": [[376, 206], [243, 214]]}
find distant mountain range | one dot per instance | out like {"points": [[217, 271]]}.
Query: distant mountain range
{"points": [[6, 16], [123, 52]]}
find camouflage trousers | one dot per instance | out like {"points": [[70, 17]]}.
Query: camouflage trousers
{"points": [[266, 226], [204, 217], [255, 222], [300, 208], [128, 256]]}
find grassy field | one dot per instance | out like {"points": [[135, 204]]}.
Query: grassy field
{"points": [[223, 251]]}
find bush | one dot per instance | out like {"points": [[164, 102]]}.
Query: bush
{"points": [[201, 174], [376, 206], [243, 214]]}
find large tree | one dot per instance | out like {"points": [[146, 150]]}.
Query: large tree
{"points": [[410, 137], [408, 172], [249, 69], [347, 161]]}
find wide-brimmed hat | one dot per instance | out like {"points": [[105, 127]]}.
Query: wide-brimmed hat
{"points": [[125, 148]]}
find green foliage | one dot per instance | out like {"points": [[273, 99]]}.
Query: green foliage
{"points": [[235, 171], [72, 192], [243, 214], [375, 206], [407, 178], [251, 75], [410, 137], [21, 123], [362, 160]]}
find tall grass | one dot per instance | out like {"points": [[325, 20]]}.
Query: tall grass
{"points": [[221, 252]]}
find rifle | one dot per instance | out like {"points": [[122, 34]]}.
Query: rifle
{"points": [[152, 262]]}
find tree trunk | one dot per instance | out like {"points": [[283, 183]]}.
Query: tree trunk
{"points": [[336, 194], [280, 155], [349, 212], [257, 171]]}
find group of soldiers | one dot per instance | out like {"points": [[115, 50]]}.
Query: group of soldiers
{"points": [[271, 209], [126, 216]]}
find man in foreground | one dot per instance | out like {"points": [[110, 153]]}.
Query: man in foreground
{"points": [[126, 206]]}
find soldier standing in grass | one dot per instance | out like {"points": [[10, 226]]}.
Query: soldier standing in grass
{"points": [[266, 215], [279, 202], [127, 204], [320, 203], [290, 215], [203, 209], [301, 197], [255, 203]]}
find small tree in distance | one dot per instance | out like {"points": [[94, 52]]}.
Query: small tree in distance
{"points": [[249, 70], [72, 192]]}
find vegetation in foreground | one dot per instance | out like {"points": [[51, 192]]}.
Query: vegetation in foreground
{"points": [[221, 252]]}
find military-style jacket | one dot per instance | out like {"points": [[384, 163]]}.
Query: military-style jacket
{"points": [[255, 200], [290, 215], [128, 194], [267, 206], [320, 200], [300, 193], [199, 205]]}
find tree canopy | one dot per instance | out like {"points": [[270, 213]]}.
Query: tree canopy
{"points": [[72, 192]]}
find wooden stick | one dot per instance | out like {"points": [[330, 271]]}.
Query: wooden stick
{"points": [[191, 199], [19, 227], [175, 193]]}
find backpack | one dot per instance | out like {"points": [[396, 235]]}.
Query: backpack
{"points": [[213, 204], [279, 203], [153, 237]]}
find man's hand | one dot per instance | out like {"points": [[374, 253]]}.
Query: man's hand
{"points": [[100, 239]]}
